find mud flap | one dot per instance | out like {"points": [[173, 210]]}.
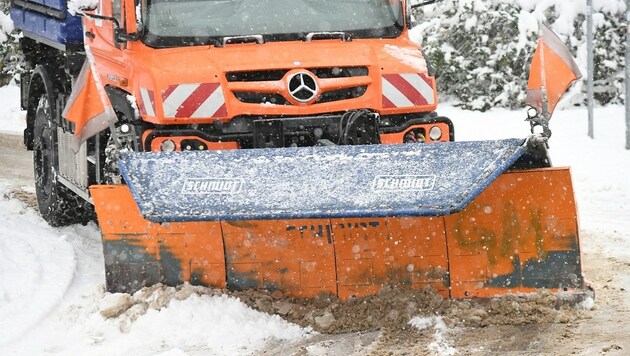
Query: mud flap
{"points": [[345, 221]]}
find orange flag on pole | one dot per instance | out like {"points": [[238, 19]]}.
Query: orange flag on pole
{"points": [[88, 106], [551, 73]]}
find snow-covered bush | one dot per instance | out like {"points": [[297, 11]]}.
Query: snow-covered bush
{"points": [[609, 58], [11, 60], [475, 49], [6, 25], [482, 48]]}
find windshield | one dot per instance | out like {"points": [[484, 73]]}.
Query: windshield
{"points": [[169, 23]]}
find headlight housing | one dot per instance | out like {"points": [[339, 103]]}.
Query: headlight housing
{"points": [[435, 133], [167, 146]]}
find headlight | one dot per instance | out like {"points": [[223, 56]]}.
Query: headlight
{"points": [[435, 133], [167, 146]]}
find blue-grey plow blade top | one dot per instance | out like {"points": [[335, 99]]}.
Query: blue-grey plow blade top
{"points": [[315, 182]]}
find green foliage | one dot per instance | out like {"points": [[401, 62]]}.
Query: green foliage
{"points": [[11, 59], [609, 58], [477, 56]]}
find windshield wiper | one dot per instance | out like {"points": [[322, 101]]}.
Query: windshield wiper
{"points": [[345, 37], [241, 39]]}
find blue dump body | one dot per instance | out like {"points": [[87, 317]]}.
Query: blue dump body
{"points": [[47, 21], [352, 181]]}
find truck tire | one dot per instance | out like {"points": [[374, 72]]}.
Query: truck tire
{"points": [[58, 205]]}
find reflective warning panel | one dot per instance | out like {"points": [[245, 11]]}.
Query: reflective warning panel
{"points": [[315, 182]]}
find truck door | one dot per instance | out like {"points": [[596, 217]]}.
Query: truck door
{"points": [[106, 53]]}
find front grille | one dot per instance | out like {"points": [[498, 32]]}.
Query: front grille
{"points": [[256, 75], [262, 97], [278, 74], [341, 94], [340, 72]]}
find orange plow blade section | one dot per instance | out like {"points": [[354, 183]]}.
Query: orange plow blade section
{"points": [[508, 240]]}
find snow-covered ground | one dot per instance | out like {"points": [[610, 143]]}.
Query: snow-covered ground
{"points": [[12, 120], [51, 279], [51, 290]]}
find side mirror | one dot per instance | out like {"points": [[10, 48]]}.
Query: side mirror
{"points": [[120, 35]]}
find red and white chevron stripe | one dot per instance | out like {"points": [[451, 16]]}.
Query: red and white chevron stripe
{"points": [[198, 100], [407, 90], [146, 104]]}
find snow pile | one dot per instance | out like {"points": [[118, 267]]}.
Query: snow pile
{"points": [[167, 320], [206, 324], [12, 119]]}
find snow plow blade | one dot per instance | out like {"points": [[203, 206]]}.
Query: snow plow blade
{"points": [[470, 219]]}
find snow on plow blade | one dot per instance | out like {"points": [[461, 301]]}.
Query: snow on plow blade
{"points": [[346, 220]]}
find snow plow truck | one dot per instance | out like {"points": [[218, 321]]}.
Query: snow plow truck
{"points": [[288, 146]]}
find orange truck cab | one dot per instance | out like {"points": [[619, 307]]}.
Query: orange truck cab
{"points": [[219, 76]]}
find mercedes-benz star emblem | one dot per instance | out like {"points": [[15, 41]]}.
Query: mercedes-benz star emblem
{"points": [[302, 87]]}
